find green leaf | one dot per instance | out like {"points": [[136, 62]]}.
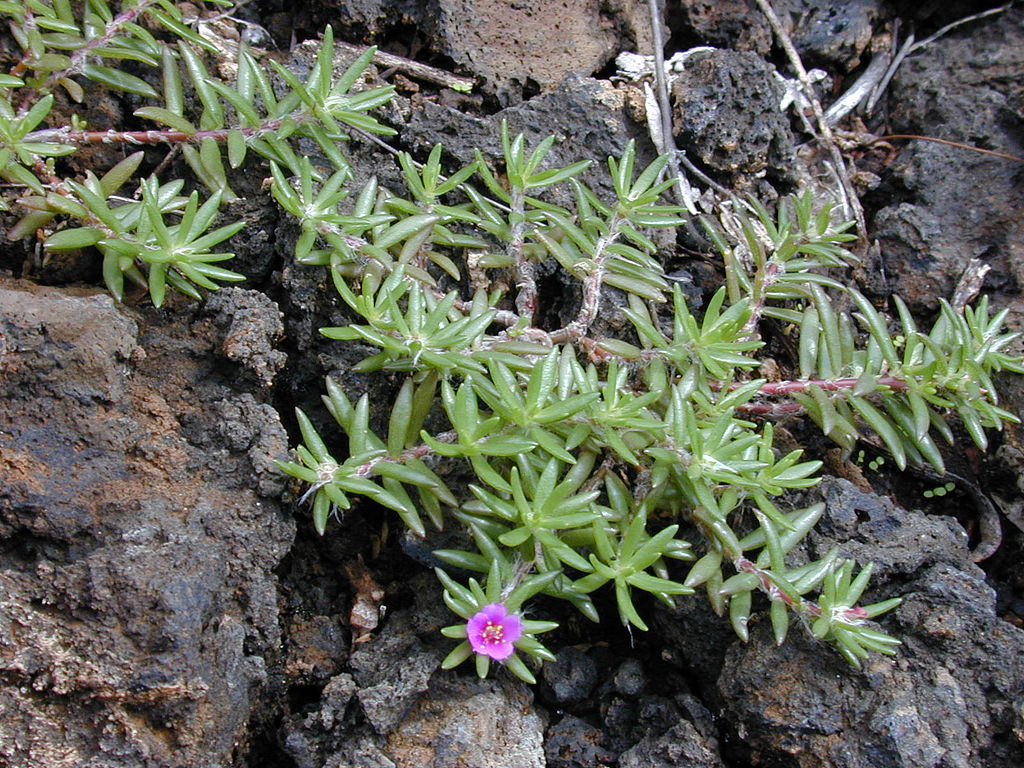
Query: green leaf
{"points": [[116, 177], [459, 654], [157, 283], [35, 115], [877, 609], [243, 106], [516, 666], [703, 569], [181, 30], [655, 584], [311, 438], [166, 117], [27, 225], [74, 239], [780, 620], [405, 229], [627, 611], [483, 666], [121, 81], [556, 175], [355, 70], [213, 112], [878, 422], [740, 582], [877, 328], [113, 276], [470, 561], [739, 614]]}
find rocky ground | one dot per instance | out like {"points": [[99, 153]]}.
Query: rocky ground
{"points": [[161, 605]]}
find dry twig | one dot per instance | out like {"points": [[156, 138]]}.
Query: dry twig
{"points": [[413, 68], [870, 86], [849, 193], [682, 188]]}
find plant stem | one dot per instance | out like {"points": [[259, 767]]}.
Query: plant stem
{"points": [[526, 270], [80, 56], [416, 452], [829, 385], [591, 299], [819, 115], [157, 136]]}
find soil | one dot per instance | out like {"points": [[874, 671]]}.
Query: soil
{"points": [[164, 601]]}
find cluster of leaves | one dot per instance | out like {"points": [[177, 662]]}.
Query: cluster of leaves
{"points": [[153, 235], [927, 377], [586, 450]]}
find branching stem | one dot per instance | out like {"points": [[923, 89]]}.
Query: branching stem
{"points": [[157, 136], [829, 385], [591, 293], [759, 295], [819, 115], [526, 269], [809, 608]]}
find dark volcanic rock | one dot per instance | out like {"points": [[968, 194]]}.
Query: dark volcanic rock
{"points": [[694, 638], [825, 33], [629, 678], [723, 23], [957, 204], [515, 50], [394, 707], [573, 743], [139, 605], [871, 528], [925, 708], [141, 621], [828, 33], [590, 118], [465, 721], [726, 115], [682, 746], [521, 48], [392, 671], [252, 327], [571, 678], [364, 20]]}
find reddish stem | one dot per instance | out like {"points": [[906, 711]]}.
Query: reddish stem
{"points": [[829, 385], [159, 136], [591, 294], [853, 614]]}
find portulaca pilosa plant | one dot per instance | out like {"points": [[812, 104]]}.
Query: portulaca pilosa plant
{"points": [[588, 452]]}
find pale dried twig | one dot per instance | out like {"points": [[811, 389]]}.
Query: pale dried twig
{"points": [[954, 24], [862, 88], [682, 188], [871, 86], [894, 64], [414, 68], [849, 193]]}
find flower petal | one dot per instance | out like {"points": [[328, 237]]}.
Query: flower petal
{"points": [[513, 627], [495, 612], [499, 651]]}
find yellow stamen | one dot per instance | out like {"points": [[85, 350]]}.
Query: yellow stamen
{"points": [[493, 633]]}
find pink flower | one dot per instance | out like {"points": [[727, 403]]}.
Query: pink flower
{"points": [[493, 630]]}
